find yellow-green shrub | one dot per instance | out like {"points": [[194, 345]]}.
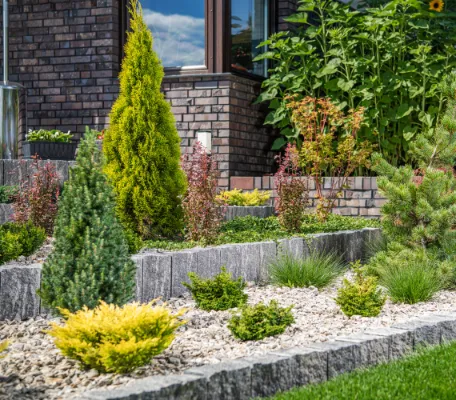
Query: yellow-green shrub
{"points": [[116, 339], [362, 296], [237, 197], [3, 347]]}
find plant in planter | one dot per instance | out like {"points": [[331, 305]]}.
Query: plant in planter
{"points": [[237, 197], [49, 145]]}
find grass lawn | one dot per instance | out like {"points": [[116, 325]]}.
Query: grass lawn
{"points": [[429, 374]]}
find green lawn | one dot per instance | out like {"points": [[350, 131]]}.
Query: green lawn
{"points": [[430, 374]]}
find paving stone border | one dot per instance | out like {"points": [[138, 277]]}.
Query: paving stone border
{"points": [[243, 211], [161, 273], [266, 375]]}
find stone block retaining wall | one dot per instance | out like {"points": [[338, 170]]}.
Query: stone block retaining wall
{"points": [[268, 374], [160, 274], [360, 199]]}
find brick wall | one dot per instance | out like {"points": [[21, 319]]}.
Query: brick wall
{"points": [[285, 9], [222, 104], [66, 53], [361, 199]]}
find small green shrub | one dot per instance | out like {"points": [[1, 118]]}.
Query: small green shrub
{"points": [[362, 296], [411, 282], [19, 240], [3, 347], [220, 293], [237, 197], [54, 135], [319, 270], [116, 339], [260, 321], [7, 193]]}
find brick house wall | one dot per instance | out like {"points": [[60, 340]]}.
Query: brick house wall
{"points": [[67, 55], [222, 104]]}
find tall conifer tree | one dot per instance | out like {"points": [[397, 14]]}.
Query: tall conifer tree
{"points": [[90, 260], [142, 143]]}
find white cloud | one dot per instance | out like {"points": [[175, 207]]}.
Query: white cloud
{"points": [[178, 39]]}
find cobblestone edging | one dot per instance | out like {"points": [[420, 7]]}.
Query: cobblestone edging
{"points": [[265, 375], [243, 211], [160, 274]]}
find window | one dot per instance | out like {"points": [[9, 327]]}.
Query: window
{"points": [[249, 27], [179, 29]]}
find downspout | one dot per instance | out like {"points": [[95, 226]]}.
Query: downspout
{"points": [[5, 42]]}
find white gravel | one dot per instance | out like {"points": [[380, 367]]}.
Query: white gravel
{"points": [[34, 369]]}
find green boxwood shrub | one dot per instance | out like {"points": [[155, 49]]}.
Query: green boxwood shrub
{"points": [[220, 293], [362, 296], [17, 239], [260, 321], [7, 193]]}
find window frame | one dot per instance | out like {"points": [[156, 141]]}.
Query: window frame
{"points": [[218, 38]]}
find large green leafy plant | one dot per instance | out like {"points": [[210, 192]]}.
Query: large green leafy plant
{"points": [[388, 60], [142, 143], [90, 260]]}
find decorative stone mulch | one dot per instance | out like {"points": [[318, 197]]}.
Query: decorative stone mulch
{"points": [[34, 369]]}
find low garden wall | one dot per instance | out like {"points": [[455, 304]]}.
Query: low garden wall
{"points": [[360, 199], [243, 211], [12, 172], [6, 212], [161, 273], [282, 370]]}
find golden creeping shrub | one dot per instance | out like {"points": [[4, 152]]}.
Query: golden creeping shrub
{"points": [[116, 339], [237, 197], [3, 347]]}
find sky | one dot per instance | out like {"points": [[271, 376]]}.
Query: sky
{"points": [[178, 29]]}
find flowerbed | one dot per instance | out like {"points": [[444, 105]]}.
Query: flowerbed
{"points": [[252, 229], [37, 370]]}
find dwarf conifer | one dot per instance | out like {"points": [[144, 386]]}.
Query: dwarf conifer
{"points": [[90, 260], [142, 143]]}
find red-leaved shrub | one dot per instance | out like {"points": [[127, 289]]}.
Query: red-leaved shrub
{"points": [[292, 191], [203, 213], [37, 197]]}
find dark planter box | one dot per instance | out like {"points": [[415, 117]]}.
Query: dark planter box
{"points": [[49, 150], [243, 211]]}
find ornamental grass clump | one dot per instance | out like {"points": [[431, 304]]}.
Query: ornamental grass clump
{"points": [[318, 269], [412, 281], [219, 293], [292, 191], [142, 145], [19, 240], [37, 198], [260, 321], [116, 339], [203, 212], [362, 296], [90, 260]]}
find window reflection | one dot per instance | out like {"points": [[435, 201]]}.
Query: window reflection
{"points": [[178, 27], [249, 27]]}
